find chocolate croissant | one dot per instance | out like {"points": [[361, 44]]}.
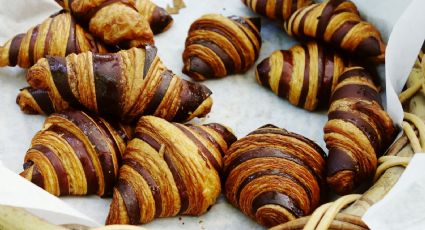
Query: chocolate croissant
{"points": [[357, 132], [123, 85], [276, 9], [169, 169], [274, 176], [75, 154], [58, 35], [218, 46], [115, 22], [305, 74], [338, 22], [159, 19]]}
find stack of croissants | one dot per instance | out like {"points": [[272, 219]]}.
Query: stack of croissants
{"points": [[114, 109]]}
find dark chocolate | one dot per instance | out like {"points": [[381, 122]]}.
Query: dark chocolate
{"points": [[160, 20], [286, 75], [31, 53], [130, 201], [369, 47], [181, 186], [343, 30], [15, 45], [150, 54], [225, 58], [42, 99], [59, 71], [277, 198], [192, 96], [326, 16], [356, 91], [339, 160], [306, 81], [263, 70], [228, 136]]}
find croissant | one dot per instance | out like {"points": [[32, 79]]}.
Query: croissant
{"points": [[218, 46], [338, 22], [274, 176], [305, 74], [276, 9], [75, 154], [115, 22], [169, 169], [35, 101], [58, 35], [358, 130], [159, 19], [123, 85]]}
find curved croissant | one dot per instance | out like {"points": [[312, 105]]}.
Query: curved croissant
{"points": [[276, 9], [338, 22], [124, 85], [75, 154], [169, 169], [58, 35], [218, 46], [305, 75], [357, 132], [115, 22], [159, 19], [274, 176]]}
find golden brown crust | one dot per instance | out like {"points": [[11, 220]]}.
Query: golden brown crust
{"points": [[115, 22], [169, 169], [274, 176], [75, 154], [305, 74], [125, 85], [58, 35], [276, 9], [357, 132], [159, 19], [218, 46], [338, 22]]}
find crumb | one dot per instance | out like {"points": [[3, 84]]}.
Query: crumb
{"points": [[177, 5], [180, 218]]}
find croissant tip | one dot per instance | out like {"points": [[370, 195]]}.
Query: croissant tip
{"points": [[161, 20], [263, 70]]}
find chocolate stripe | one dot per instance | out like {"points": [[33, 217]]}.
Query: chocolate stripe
{"points": [[361, 124], [228, 136], [155, 189], [81, 152], [131, 203], [49, 37], [241, 22], [160, 19], [324, 94], [150, 54], [277, 198], [72, 44], [192, 96], [302, 22], [343, 30], [59, 71], [96, 138], [326, 16], [306, 81], [42, 99], [61, 173], [286, 75], [181, 186], [278, 10], [15, 45], [339, 160], [368, 47], [160, 92], [321, 69], [101, 124], [34, 35], [260, 7], [357, 72], [199, 26], [37, 178], [204, 152], [271, 172], [201, 132], [263, 72], [356, 91], [108, 84], [225, 58], [267, 152]]}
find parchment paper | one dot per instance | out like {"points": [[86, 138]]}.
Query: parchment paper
{"points": [[239, 102]]}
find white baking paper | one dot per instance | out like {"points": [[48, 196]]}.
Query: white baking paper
{"points": [[239, 102], [403, 206]]}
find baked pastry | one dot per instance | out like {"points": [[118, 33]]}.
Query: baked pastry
{"points": [[357, 132], [338, 22], [305, 74], [35, 101], [75, 154], [218, 46], [169, 169], [276, 9], [274, 176], [115, 22], [159, 19], [123, 85], [58, 35]]}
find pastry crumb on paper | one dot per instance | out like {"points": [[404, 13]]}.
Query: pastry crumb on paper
{"points": [[177, 5]]}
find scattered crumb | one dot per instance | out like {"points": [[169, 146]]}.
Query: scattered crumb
{"points": [[180, 218], [177, 5]]}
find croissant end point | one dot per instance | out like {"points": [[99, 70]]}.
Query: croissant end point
{"points": [[37, 74], [342, 183], [262, 71], [163, 20], [24, 102], [203, 109]]}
